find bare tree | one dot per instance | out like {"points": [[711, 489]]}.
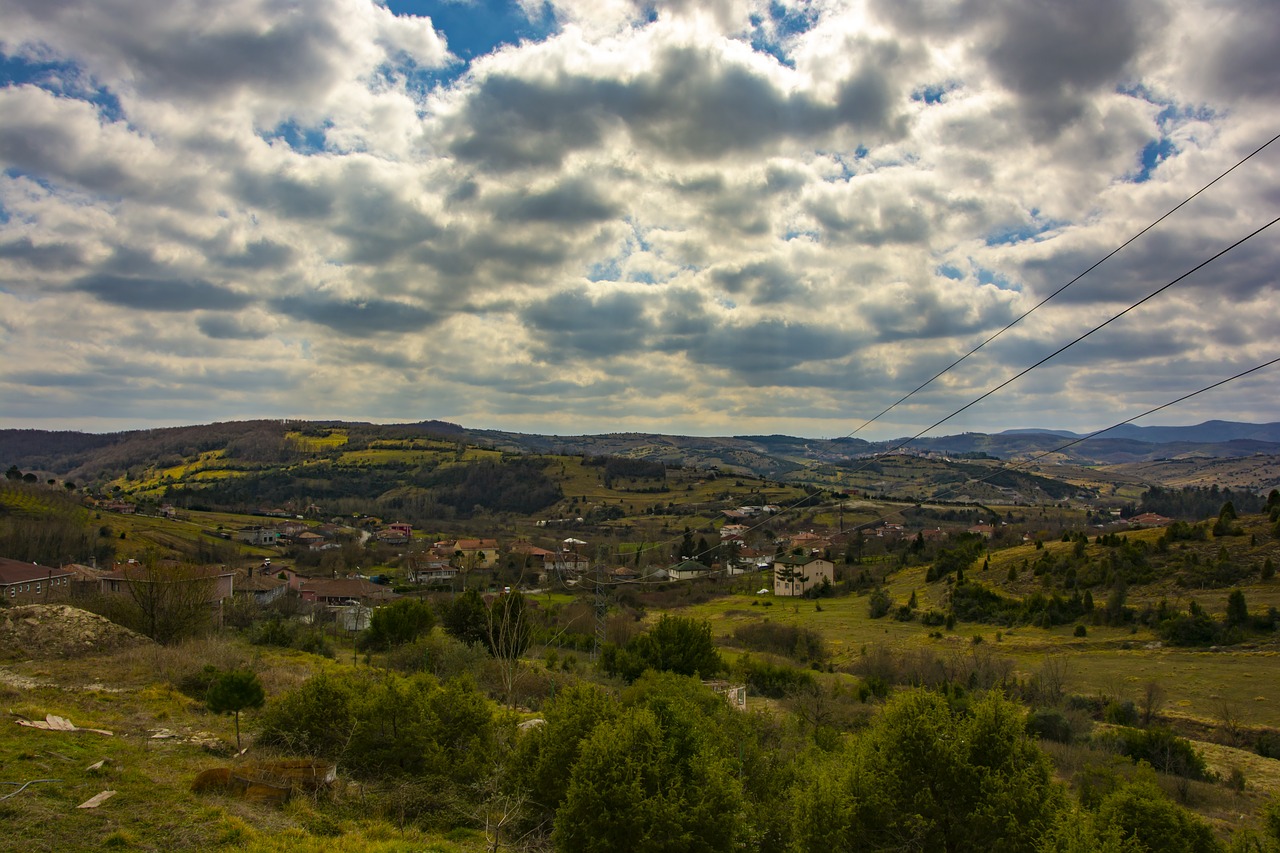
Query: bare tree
{"points": [[508, 632], [170, 601], [1152, 701], [1051, 680]]}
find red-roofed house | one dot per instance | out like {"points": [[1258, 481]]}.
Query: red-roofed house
{"points": [[32, 583]]}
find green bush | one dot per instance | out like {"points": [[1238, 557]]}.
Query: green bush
{"points": [[1161, 748], [800, 644], [773, 680], [1121, 713], [1049, 724]]}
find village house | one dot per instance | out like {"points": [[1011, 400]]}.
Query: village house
{"points": [[344, 591], [310, 540], [1150, 519], [432, 567], [687, 570], [264, 588], [810, 541], [563, 563], [32, 583], [392, 535], [797, 574], [220, 581], [258, 536], [473, 553]]}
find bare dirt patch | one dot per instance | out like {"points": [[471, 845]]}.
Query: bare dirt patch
{"points": [[53, 631]]}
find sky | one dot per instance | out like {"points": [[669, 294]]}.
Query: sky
{"points": [[706, 217]]}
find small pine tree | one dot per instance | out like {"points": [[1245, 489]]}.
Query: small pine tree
{"points": [[235, 691], [1268, 570]]}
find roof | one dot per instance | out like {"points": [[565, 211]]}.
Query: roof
{"points": [[259, 583], [798, 559], [346, 588], [475, 544], [19, 571], [138, 572]]}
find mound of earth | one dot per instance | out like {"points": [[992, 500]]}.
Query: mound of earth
{"points": [[40, 631]]}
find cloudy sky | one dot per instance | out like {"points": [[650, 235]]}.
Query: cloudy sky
{"points": [[583, 216]]}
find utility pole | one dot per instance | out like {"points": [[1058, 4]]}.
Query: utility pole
{"points": [[601, 606]]}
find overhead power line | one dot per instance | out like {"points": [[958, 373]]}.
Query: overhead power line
{"points": [[1054, 354], [1033, 308], [1077, 340]]}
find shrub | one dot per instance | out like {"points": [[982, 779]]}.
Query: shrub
{"points": [[1120, 713], [1081, 631], [773, 680], [1268, 744], [800, 644], [1162, 749], [932, 618], [1049, 724], [879, 602]]}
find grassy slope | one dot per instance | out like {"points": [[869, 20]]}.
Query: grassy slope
{"points": [[154, 808]]}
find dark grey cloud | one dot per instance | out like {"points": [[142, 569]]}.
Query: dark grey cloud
{"points": [[693, 105], [160, 294], [1056, 54], [574, 202], [573, 323], [46, 257], [764, 348], [291, 51], [357, 317], [290, 196], [259, 255], [229, 327], [1245, 64], [762, 282], [872, 222]]}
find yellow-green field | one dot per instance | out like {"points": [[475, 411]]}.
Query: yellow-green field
{"points": [[1111, 662]]}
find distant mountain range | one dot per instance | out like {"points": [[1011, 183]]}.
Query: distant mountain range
{"points": [[86, 456], [1209, 432]]}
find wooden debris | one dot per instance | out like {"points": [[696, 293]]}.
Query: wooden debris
{"points": [[54, 723], [24, 786], [96, 800], [97, 765], [268, 781]]}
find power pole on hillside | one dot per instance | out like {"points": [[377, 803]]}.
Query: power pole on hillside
{"points": [[601, 606]]}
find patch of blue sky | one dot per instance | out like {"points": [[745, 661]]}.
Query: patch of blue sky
{"points": [[1013, 234], [1154, 153], [610, 270], [637, 234], [61, 78], [642, 277], [950, 271], [474, 28], [812, 236], [304, 140], [932, 94], [39, 180], [1171, 113], [771, 35], [986, 276]]}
